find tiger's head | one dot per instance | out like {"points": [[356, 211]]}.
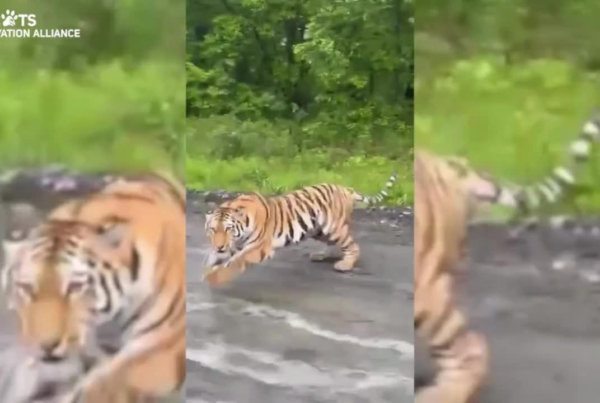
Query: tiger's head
{"points": [[230, 224], [479, 186], [55, 282], [226, 226], [81, 265]]}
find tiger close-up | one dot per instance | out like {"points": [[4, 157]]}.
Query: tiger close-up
{"points": [[249, 228], [442, 208], [103, 277], [447, 194]]}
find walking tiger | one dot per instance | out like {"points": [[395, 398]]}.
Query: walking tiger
{"points": [[447, 192], [249, 228]]}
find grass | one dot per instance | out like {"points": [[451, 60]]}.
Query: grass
{"points": [[274, 175], [268, 156], [514, 121], [106, 117]]}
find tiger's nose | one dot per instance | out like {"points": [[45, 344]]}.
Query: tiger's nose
{"points": [[221, 249]]}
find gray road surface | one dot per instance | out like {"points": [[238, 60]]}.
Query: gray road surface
{"points": [[543, 324], [294, 331]]}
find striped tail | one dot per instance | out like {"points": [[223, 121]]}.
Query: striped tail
{"points": [[550, 189], [379, 196]]}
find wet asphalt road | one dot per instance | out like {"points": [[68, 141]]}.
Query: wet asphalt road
{"points": [[291, 330], [295, 331]]}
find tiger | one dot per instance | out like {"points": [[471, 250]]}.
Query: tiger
{"points": [[105, 274], [448, 192], [442, 207], [249, 228]]}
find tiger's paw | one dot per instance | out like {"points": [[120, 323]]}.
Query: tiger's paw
{"points": [[343, 266], [219, 276], [77, 395], [214, 259], [93, 386], [429, 395]]}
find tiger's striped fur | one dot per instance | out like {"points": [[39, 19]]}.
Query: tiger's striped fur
{"points": [[251, 227], [106, 274], [442, 206], [553, 187]]}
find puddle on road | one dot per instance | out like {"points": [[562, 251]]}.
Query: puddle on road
{"points": [[363, 364], [272, 369], [296, 321], [277, 369]]}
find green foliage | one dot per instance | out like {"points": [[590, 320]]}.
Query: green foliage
{"points": [[277, 79], [508, 84], [275, 175], [131, 31], [106, 117], [227, 136], [110, 100], [227, 153], [515, 121], [515, 30], [294, 60]]}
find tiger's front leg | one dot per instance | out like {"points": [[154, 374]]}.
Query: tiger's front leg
{"points": [[223, 274], [97, 388], [138, 371], [461, 354], [215, 271], [217, 259], [114, 392]]}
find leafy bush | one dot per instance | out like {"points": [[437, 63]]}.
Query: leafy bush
{"points": [[225, 137], [276, 174], [282, 94], [225, 152], [105, 117], [112, 99], [516, 30]]}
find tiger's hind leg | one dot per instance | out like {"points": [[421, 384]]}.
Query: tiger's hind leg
{"points": [[325, 253], [461, 354], [461, 373], [350, 249]]}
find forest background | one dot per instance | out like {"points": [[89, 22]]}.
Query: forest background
{"points": [[509, 84], [283, 94], [112, 99]]}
